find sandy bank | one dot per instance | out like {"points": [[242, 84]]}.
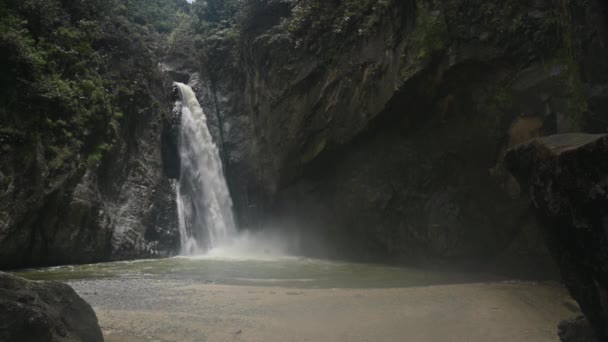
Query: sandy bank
{"points": [[158, 310]]}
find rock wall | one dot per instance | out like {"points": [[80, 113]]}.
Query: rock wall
{"points": [[566, 177], [371, 129], [83, 108], [122, 208], [380, 127]]}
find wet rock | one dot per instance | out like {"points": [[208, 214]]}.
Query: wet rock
{"points": [[576, 330], [392, 130], [47, 311], [566, 177], [122, 207], [170, 137]]}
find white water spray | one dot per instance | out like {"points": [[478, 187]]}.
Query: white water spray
{"points": [[204, 205]]}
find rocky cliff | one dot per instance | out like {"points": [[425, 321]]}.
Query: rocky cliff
{"points": [[82, 107], [376, 126], [566, 177], [380, 126]]}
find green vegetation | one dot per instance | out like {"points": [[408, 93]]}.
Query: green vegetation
{"points": [[215, 32], [162, 16], [72, 71], [577, 103], [315, 17], [61, 86], [313, 148], [211, 31], [430, 35]]}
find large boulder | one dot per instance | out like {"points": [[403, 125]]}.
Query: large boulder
{"points": [[44, 311], [566, 177]]}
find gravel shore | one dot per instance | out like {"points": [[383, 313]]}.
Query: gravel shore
{"points": [[162, 310]]}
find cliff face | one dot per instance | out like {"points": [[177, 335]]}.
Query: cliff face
{"points": [[380, 126], [566, 177], [82, 107], [124, 208]]}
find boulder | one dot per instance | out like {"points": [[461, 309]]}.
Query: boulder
{"points": [[566, 177], [43, 311], [576, 330]]}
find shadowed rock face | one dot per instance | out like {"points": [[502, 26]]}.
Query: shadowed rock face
{"points": [[566, 177], [385, 137], [122, 208], [170, 138], [48, 311], [380, 129], [96, 189]]}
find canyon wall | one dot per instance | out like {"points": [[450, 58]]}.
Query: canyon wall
{"points": [[82, 104], [371, 130], [379, 127]]}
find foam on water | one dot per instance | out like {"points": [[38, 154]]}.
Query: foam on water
{"points": [[247, 245], [206, 221]]}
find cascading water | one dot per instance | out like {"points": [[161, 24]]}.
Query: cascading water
{"points": [[204, 205]]}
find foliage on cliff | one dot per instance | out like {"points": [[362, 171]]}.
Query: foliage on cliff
{"points": [[215, 30], [81, 105], [70, 71]]}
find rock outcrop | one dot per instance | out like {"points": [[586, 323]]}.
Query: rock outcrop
{"points": [[44, 311], [82, 178], [121, 208], [566, 177], [386, 122]]}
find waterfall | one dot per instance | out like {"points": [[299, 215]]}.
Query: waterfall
{"points": [[203, 201]]}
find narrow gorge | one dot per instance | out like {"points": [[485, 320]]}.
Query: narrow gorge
{"points": [[154, 149]]}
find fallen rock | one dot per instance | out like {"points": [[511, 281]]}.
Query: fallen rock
{"points": [[576, 330], [44, 311], [566, 177]]}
